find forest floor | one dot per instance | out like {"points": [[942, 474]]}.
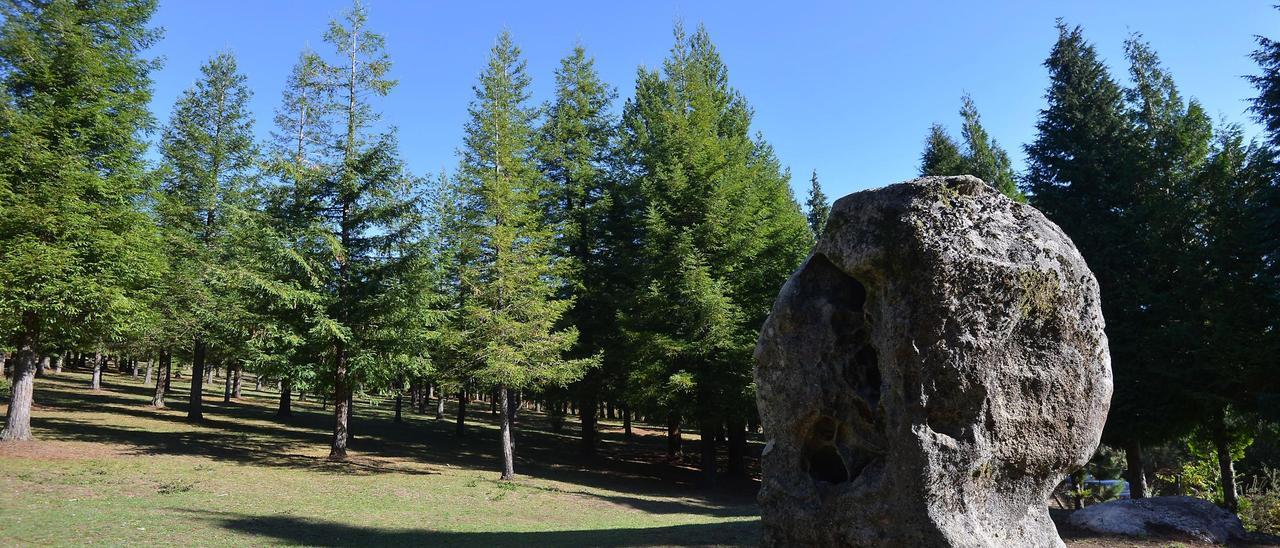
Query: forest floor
{"points": [[108, 469]]}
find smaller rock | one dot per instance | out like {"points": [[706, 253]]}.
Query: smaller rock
{"points": [[1196, 518]]}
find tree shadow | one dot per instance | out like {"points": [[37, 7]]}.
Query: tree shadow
{"points": [[312, 532]]}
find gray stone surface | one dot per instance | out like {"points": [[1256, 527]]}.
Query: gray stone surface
{"points": [[1196, 518], [929, 374]]}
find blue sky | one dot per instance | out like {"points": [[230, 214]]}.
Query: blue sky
{"points": [[847, 88]]}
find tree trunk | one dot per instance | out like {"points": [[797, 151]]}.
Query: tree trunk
{"points": [[1222, 443], [399, 405], [737, 438], [674, 441], [17, 424], [587, 408], [167, 363], [508, 444], [286, 404], [162, 380], [146, 381], [1135, 476], [461, 429], [226, 387], [58, 361], [195, 411], [133, 364], [257, 382], [42, 368], [626, 421], [338, 449], [440, 406], [707, 433], [99, 361], [235, 385]]}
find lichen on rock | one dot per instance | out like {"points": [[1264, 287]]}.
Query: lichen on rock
{"points": [[929, 373]]}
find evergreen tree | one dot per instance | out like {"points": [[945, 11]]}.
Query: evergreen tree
{"points": [[818, 205], [982, 157], [75, 247], [575, 147], [941, 154], [351, 207], [210, 160], [510, 304], [720, 232]]}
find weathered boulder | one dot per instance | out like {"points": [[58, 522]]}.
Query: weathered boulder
{"points": [[929, 374], [1196, 518]]}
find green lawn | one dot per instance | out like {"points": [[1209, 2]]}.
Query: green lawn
{"points": [[109, 469]]}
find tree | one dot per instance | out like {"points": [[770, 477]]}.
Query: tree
{"points": [[74, 243], [574, 149], [351, 206], [818, 205], [210, 160], [509, 305], [941, 154], [720, 231], [982, 156]]}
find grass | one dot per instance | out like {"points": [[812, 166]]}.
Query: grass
{"points": [[108, 469]]}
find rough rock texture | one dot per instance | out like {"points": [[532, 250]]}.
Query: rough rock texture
{"points": [[929, 374], [1196, 518]]}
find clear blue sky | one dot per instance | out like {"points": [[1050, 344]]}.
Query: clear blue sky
{"points": [[845, 87]]}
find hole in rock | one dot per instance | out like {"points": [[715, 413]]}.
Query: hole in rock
{"points": [[826, 464]]}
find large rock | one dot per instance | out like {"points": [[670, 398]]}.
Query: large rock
{"points": [[1185, 516], [929, 374]]}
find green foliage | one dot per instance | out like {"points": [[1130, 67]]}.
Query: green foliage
{"points": [[818, 206], [982, 157], [719, 232], [76, 248], [509, 302]]}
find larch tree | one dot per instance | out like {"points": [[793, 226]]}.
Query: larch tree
{"points": [[510, 302], [74, 244], [574, 151], [818, 206]]}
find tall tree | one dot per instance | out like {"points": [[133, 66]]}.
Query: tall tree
{"points": [[352, 205], [510, 304], [211, 162], [575, 147], [74, 243], [818, 206], [720, 233]]}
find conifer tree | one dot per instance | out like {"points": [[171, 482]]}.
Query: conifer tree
{"points": [[818, 205], [941, 154], [575, 147], [720, 233], [75, 247], [510, 304], [207, 197], [982, 157]]}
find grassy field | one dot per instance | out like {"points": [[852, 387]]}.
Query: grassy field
{"points": [[109, 469]]}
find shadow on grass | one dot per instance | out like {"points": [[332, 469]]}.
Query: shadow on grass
{"points": [[246, 431], [294, 530]]}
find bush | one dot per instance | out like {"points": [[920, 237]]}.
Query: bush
{"points": [[1260, 502]]}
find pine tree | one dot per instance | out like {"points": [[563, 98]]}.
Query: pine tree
{"points": [[510, 304], [75, 247], [575, 147], [818, 205]]}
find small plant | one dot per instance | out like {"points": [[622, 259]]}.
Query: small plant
{"points": [[175, 486], [1260, 502]]}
